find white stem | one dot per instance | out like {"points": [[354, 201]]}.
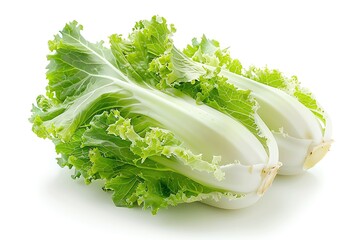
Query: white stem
{"points": [[280, 110]]}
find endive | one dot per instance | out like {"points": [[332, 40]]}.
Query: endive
{"points": [[301, 127], [152, 148]]}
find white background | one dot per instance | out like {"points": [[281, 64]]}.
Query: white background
{"points": [[316, 40]]}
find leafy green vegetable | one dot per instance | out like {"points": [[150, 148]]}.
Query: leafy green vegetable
{"points": [[299, 124], [111, 118]]}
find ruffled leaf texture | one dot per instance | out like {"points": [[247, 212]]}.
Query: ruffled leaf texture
{"points": [[93, 112], [209, 52], [149, 53]]}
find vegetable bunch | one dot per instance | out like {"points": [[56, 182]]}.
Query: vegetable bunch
{"points": [[162, 126]]}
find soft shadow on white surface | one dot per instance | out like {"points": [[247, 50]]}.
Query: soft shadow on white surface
{"points": [[284, 201], [280, 204]]}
